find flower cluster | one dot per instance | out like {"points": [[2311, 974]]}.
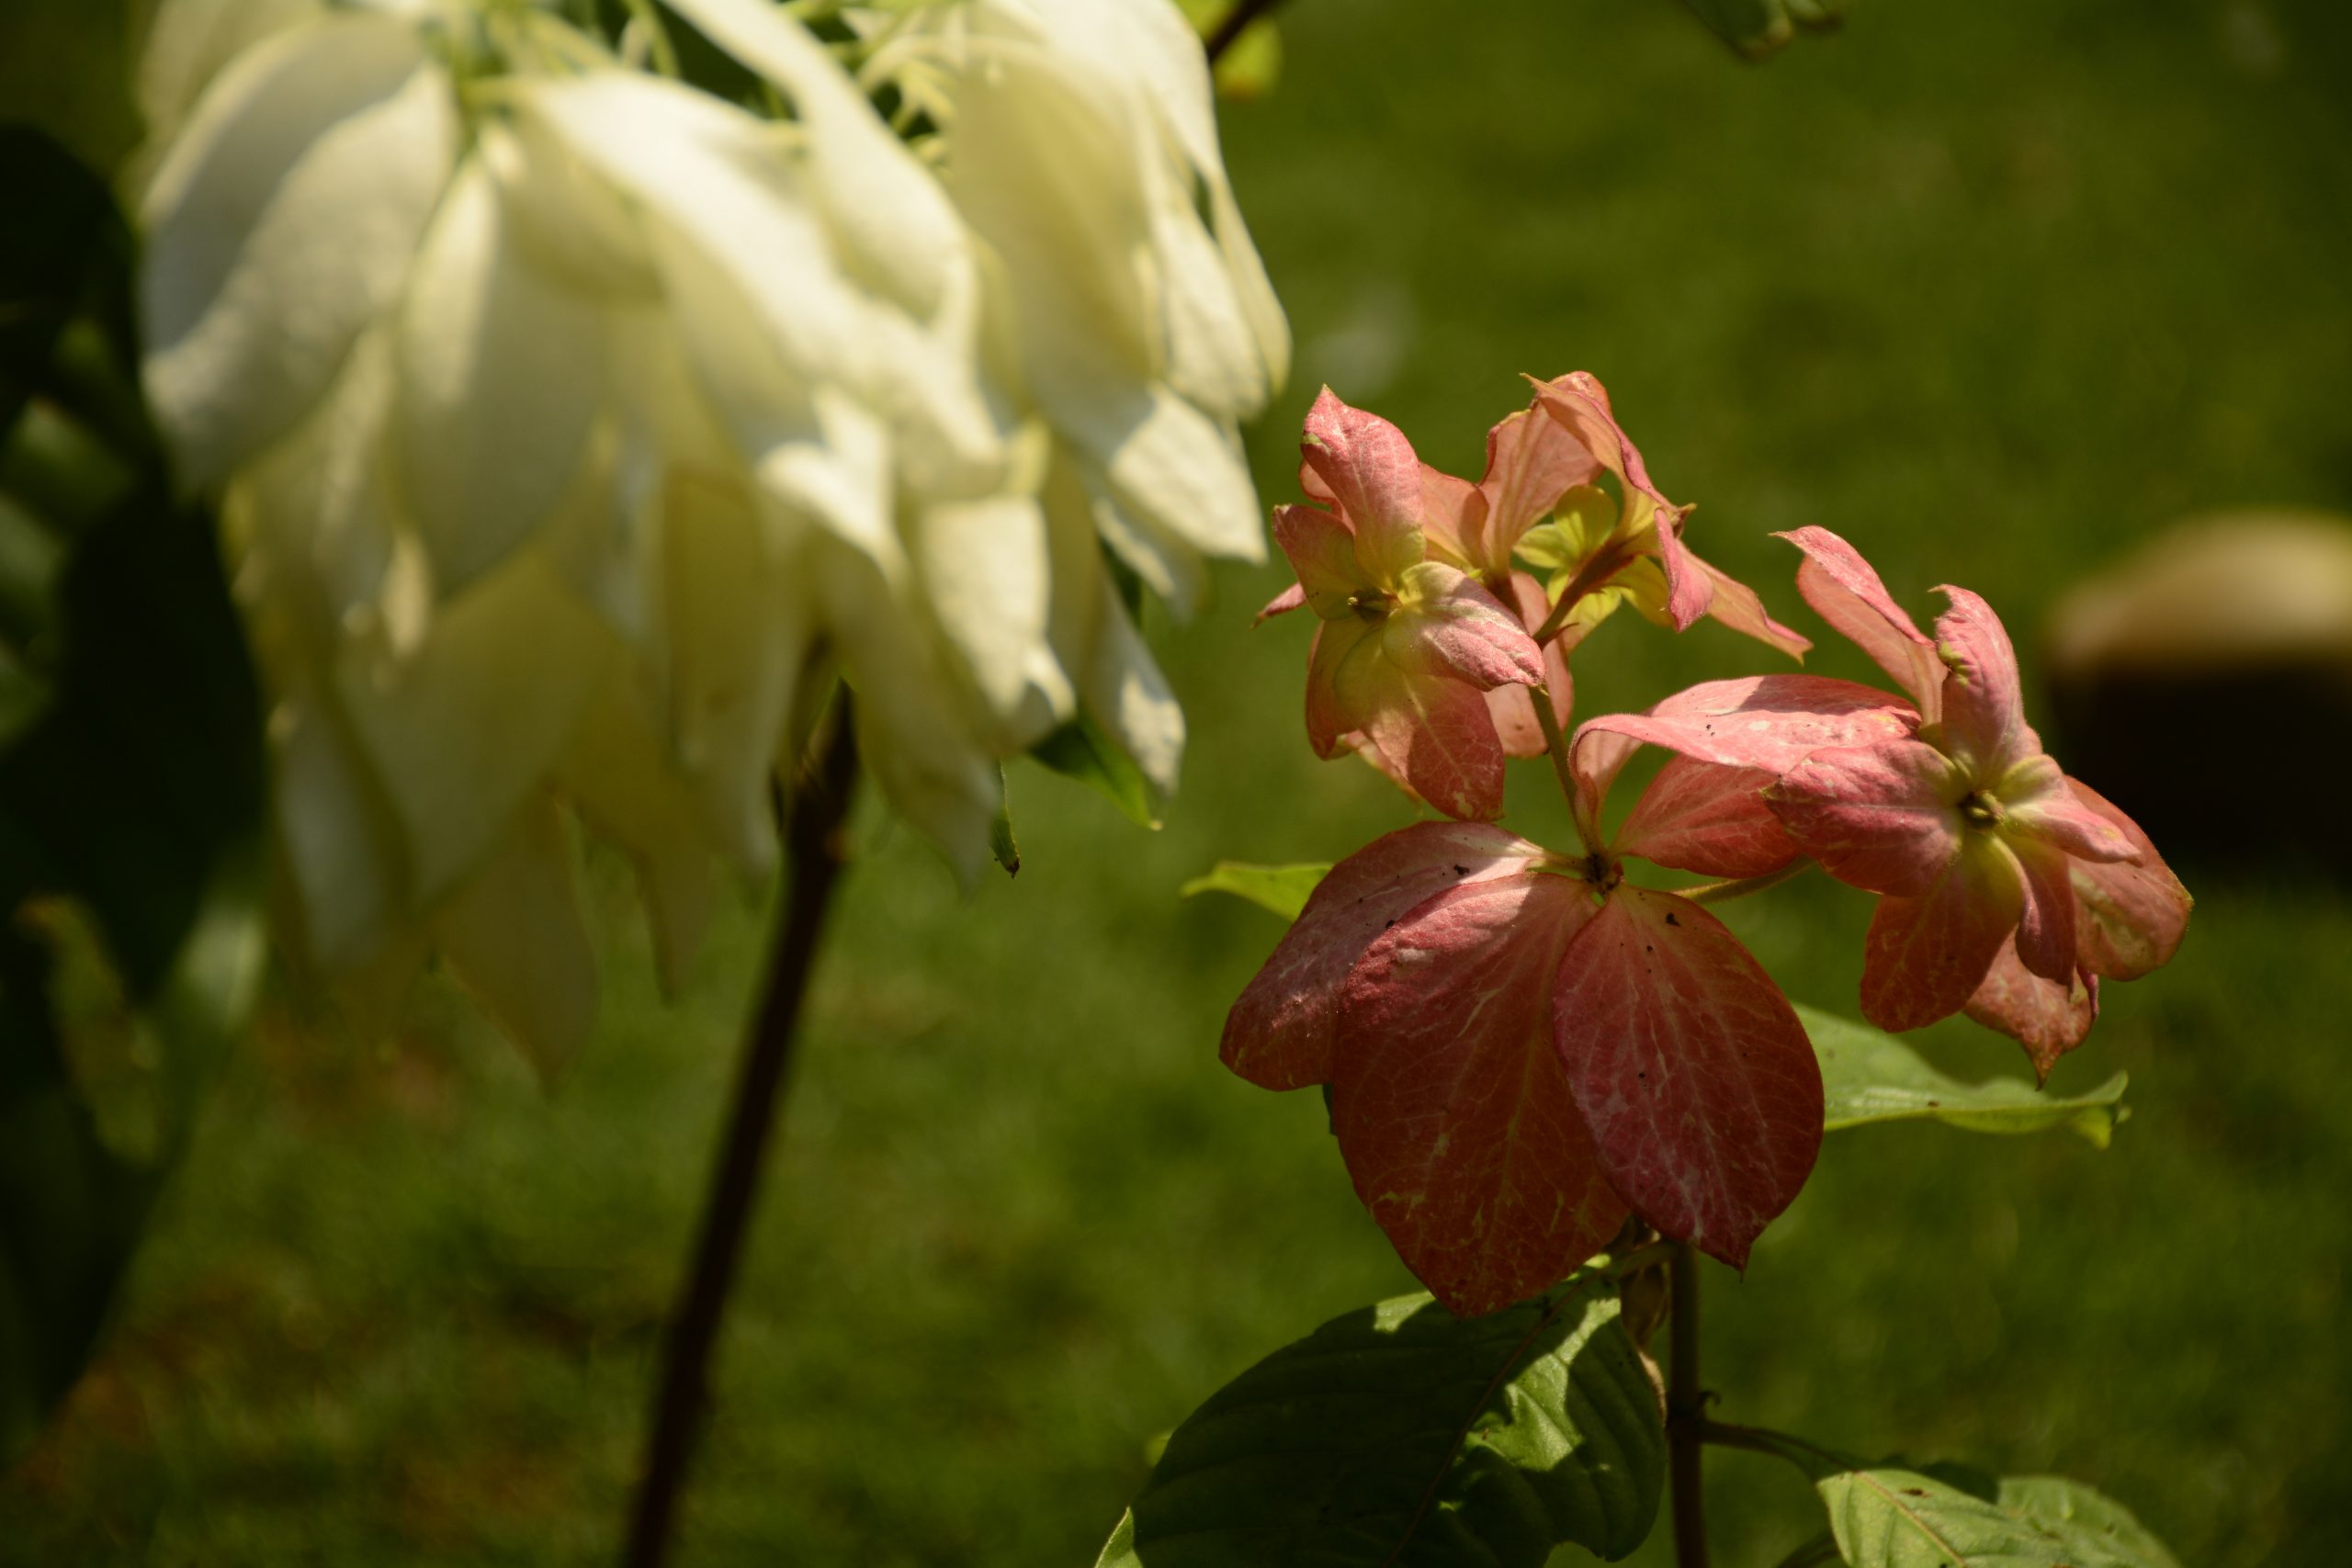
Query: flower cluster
{"points": [[574, 427], [1523, 1047]]}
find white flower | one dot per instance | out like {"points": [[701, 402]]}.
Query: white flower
{"points": [[574, 426]]}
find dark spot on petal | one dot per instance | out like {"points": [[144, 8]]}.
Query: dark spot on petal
{"points": [[1671, 920], [1460, 871]]}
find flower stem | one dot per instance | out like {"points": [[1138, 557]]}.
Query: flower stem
{"points": [[1235, 23], [813, 859], [1740, 888], [1556, 743], [1686, 1415], [1602, 566]]}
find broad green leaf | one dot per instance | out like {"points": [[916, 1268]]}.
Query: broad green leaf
{"points": [[1284, 889], [1081, 750], [1253, 64], [1888, 1516], [131, 787], [1400, 1434], [1868, 1076], [2058, 1502], [1760, 28]]}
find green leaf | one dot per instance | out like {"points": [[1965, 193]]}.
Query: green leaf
{"points": [[1284, 889], [1868, 1076], [1253, 64], [2056, 1502], [1400, 1434], [131, 787], [1760, 28], [1081, 750], [1888, 1516]]}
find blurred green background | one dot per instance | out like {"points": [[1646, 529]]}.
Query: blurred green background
{"points": [[1994, 289]]}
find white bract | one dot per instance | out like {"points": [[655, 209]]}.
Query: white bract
{"points": [[572, 427]]}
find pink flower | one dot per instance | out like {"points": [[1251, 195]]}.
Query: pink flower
{"points": [[2007, 889], [1409, 643]]}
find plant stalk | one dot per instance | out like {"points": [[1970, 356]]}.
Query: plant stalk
{"points": [[1686, 1415], [1740, 888], [1556, 744], [813, 858]]}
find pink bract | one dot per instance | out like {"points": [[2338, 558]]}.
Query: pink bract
{"points": [[1578, 403], [1522, 1049], [2007, 889]]}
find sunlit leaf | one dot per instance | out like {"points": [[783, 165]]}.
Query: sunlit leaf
{"points": [[1400, 1434], [1888, 1516], [1284, 889], [1869, 1076]]}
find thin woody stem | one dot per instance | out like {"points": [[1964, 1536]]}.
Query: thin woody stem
{"points": [[1740, 888], [1686, 1405], [813, 859]]}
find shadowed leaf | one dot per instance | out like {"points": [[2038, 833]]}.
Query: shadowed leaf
{"points": [[1400, 1434]]}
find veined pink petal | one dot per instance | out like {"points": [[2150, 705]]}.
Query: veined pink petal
{"points": [[1311, 485], [2045, 941], [1771, 722], [1451, 1110], [2047, 1017], [1532, 461], [1926, 956], [2132, 914], [1449, 626], [1884, 818], [1514, 707], [1736, 604], [1322, 550], [2036, 801], [1453, 516], [1344, 656], [1691, 1069], [1282, 604], [1983, 700], [1435, 737], [1697, 816], [1370, 467], [1580, 404], [1844, 590], [1279, 1035]]}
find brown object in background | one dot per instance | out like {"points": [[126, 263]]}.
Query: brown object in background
{"points": [[2205, 685]]}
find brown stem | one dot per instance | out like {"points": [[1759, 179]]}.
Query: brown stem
{"points": [[812, 860], [1237, 22], [1604, 564], [1685, 1416]]}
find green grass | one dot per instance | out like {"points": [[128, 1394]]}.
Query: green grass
{"points": [[1991, 289]]}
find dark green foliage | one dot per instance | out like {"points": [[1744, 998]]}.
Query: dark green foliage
{"points": [[129, 781]]}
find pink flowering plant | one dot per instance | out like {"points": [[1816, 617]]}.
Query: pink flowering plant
{"points": [[1557, 1081]]}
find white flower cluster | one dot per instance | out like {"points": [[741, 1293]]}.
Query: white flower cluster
{"points": [[574, 426]]}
